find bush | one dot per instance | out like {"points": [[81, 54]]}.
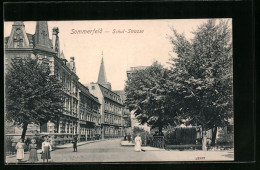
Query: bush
{"points": [[181, 136], [224, 139]]}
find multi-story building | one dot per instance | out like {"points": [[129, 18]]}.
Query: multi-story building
{"points": [[112, 108], [126, 115], [89, 115], [79, 117]]}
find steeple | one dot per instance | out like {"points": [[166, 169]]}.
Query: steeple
{"points": [[42, 35], [102, 79], [102, 73]]}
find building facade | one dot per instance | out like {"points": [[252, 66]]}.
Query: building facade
{"points": [[81, 115], [89, 115], [112, 109]]}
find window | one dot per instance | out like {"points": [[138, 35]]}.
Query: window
{"points": [[93, 87]]}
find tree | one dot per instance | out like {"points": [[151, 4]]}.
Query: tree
{"points": [[203, 69], [148, 95], [32, 94]]}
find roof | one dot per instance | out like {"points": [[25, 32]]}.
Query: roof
{"points": [[106, 93], [30, 39], [86, 92], [121, 93]]}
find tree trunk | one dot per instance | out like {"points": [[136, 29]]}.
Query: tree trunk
{"points": [[160, 129], [25, 125], [58, 124], [214, 134], [204, 140]]}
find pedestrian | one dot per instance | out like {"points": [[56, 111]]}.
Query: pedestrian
{"points": [[129, 138], [33, 151], [20, 150], [138, 143], [75, 140], [46, 148]]}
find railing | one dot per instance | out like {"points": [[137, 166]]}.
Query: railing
{"points": [[157, 141]]}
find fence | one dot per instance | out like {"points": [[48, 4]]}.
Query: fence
{"points": [[157, 141]]}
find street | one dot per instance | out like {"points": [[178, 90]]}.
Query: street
{"points": [[111, 151]]}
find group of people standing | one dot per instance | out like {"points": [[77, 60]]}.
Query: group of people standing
{"points": [[33, 157]]}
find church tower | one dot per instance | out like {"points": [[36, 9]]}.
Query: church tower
{"points": [[102, 79]]}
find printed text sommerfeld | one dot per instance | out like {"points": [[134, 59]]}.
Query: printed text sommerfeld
{"points": [[91, 31], [100, 31]]}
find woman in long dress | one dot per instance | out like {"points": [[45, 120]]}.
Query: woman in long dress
{"points": [[46, 148], [20, 150], [138, 143], [33, 151]]}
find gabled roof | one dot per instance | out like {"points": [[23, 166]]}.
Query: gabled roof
{"points": [[30, 40], [86, 92], [106, 93], [18, 37]]}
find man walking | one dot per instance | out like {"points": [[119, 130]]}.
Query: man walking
{"points": [[129, 137], [75, 141]]}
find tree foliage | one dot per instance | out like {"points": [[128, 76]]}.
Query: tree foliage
{"points": [[197, 89], [32, 94], [147, 94], [203, 68]]}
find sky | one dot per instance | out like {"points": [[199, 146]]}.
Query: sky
{"points": [[120, 50]]}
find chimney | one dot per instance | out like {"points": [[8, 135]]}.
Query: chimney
{"points": [[55, 40], [72, 64]]}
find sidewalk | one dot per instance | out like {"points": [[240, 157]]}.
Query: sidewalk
{"points": [[67, 145]]}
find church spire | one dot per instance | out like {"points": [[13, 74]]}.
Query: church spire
{"points": [[42, 35], [102, 73], [102, 78]]}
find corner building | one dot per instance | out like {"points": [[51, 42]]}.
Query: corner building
{"points": [[79, 117]]}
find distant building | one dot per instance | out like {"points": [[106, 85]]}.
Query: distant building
{"points": [[132, 69], [112, 108]]}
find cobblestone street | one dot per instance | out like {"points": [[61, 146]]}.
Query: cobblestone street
{"points": [[111, 151]]}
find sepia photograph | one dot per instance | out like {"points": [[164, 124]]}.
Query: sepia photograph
{"points": [[150, 90]]}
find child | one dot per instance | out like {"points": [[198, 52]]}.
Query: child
{"points": [[20, 150], [33, 151], [46, 148]]}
